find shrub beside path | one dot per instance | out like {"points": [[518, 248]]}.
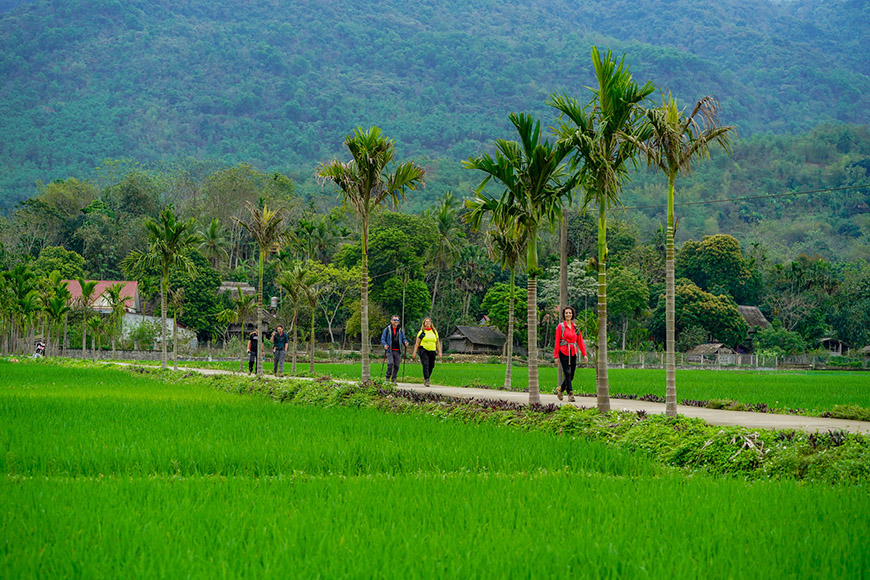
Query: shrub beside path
{"points": [[771, 421]]}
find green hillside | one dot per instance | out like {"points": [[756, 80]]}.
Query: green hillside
{"points": [[277, 84]]}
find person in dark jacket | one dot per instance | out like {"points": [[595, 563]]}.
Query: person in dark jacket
{"points": [[253, 340], [394, 342], [279, 347]]}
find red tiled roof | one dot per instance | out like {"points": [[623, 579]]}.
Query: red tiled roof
{"points": [[129, 292]]}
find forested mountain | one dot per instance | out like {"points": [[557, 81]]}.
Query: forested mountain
{"points": [[277, 84]]}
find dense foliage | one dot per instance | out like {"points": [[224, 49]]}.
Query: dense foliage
{"points": [[279, 84]]}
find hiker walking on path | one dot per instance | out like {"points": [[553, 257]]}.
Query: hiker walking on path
{"points": [[428, 344], [394, 342], [568, 339], [279, 347], [253, 341]]}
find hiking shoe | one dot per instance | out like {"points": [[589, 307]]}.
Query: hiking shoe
{"points": [[425, 382], [559, 393], [570, 398]]}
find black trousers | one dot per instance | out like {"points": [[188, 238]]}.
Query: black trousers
{"points": [[252, 361], [427, 358], [394, 360], [569, 365]]}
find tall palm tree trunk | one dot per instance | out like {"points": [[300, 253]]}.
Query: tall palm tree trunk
{"points": [[295, 331], [602, 385], [364, 306], [84, 333], [510, 336], [311, 363], [670, 309], [163, 290], [532, 320], [563, 276], [65, 330], [175, 342], [434, 292], [261, 346]]}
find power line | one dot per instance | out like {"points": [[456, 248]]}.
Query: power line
{"points": [[750, 197]]}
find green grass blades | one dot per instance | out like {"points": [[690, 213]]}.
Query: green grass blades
{"points": [[109, 474], [471, 525], [97, 422]]}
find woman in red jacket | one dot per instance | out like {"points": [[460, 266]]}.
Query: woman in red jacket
{"points": [[568, 340]]}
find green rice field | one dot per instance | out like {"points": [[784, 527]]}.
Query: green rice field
{"points": [[112, 474]]}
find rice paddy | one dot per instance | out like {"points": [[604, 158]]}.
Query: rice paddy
{"points": [[106, 473]]}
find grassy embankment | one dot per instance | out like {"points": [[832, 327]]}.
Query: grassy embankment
{"points": [[845, 393]]}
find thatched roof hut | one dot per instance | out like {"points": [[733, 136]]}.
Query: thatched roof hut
{"points": [[476, 340], [753, 317], [711, 348]]}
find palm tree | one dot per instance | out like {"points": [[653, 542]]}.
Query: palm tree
{"points": [[169, 241], [21, 283], [507, 248], [312, 292], [268, 229], [214, 243], [55, 310], [293, 282], [365, 183], [176, 299], [244, 305], [95, 323], [117, 303], [603, 135], [84, 303], [443, 254], [676, 141], [531, 172]]}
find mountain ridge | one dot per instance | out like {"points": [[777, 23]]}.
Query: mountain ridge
{"points": [[279, 84]]}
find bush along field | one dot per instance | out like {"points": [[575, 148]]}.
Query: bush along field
{"points": [[145, 473]]}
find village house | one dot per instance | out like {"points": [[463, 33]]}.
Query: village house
{"points": [[476, 340]]}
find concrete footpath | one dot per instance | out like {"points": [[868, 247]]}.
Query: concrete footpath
{"points": [[711, 416]]}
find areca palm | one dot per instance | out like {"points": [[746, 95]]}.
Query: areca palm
{"points": [[365, 183], [268, 228], [244, 305], [444, 252], [214, 244], [176, 298], [603, 135], [532, 173], [117, 304], [312, 290], [293, 282], [169, 240], [506, 247], [88, 288], [677, 140]]}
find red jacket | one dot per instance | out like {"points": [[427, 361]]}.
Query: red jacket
{"points": [[568, 336]]}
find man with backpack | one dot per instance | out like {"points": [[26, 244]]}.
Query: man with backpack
{"points": [[394, 342]]}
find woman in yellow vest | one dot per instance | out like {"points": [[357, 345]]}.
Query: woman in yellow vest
{"points": [[428, 344]]}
